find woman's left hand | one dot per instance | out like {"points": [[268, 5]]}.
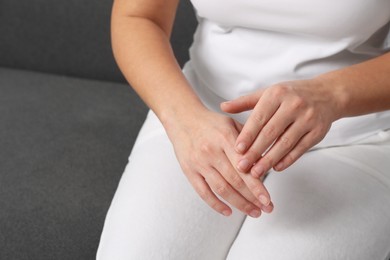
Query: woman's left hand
{"points": [[287, 120]]}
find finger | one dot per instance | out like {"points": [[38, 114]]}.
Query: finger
{"points": [[268, 134], [306, 142], [283, 145], [255, 185], [241, 104], [269, 208], [259, 117], [229, 173], [207, 195], [220, 186]]}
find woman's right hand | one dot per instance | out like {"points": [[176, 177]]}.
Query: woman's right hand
{"points": [[203, 140], [204, 146]]}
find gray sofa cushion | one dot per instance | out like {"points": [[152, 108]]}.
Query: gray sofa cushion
{"points": [[71, 37], [64, 143]]}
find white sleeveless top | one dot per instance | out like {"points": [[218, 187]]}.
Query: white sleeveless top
{"points": [[244, 45]]}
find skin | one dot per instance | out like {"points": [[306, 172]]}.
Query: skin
{"points": [[203, 140], [298, 114], [295, 114]]}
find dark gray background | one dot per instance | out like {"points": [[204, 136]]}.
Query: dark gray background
{"points": [[67, 124], [71, 37]]}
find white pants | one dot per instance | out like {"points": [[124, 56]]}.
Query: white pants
{"points": [[334, 203]]}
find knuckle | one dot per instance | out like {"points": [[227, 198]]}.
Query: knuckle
{"points": [[281, 89], [237, 182], [247, 207], [258, 118], [247, 136], [310, 115], [215, 204], [222, 189], [298, 103], [286, 142], [194, 158], [269, 131], [203, 193], [185, 166], [219, 163], [206, 148]]}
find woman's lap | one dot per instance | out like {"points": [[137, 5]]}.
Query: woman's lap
{"points": [[325, 207], [156, 214]]}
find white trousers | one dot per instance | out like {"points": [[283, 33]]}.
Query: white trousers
{"points": [[334, 203]]}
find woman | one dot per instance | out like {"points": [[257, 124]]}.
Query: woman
{"points": [[312, 78]]}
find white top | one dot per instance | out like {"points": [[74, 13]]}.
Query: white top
{"points": [[243, 45]]}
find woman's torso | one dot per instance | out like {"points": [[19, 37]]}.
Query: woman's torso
{"points": [[243, 45]]}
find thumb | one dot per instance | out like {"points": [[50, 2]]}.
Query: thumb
{"points": [[241, 104]]}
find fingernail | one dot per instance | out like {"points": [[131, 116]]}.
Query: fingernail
{"points": [[267, 209], [264, 200], [243, 165], [226, 213], [255, 213], [241, 147], [258, 170]]}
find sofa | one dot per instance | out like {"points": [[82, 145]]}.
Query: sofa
{"points": [[68, 121]]}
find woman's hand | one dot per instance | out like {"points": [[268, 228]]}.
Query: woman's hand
{"points": [[204, 146], [287, 120]]}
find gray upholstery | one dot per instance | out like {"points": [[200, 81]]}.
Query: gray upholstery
{"points": [[71, 37], [64, 137], [64, 143]]}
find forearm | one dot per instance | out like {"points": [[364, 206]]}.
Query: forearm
{"points": [[362, 88], [144, 55]]}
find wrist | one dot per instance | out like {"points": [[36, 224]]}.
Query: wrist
{"points": [[176, 116], [337, 93]]}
